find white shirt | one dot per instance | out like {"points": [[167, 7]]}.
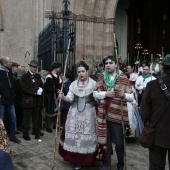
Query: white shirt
{"points": [[140, 70], [140, 84], [31, 72], [156, 69], [102, 94], [55, 75], [133, 77]]}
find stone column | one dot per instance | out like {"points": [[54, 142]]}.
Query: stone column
{"points": [[79, 41]]}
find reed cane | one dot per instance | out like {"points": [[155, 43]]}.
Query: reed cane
{"points": [[59, 108], [151, 65], [123, 127]]}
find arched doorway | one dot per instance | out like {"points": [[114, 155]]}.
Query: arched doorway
{"points": [[121, 26], [146, 22]]}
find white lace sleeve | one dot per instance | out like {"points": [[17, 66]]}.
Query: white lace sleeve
{"points": [[70, 95]]}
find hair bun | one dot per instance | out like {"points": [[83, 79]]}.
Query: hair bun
{"points": [[83, 64]]}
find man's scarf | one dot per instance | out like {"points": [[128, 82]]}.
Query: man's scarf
{"points": [[146, 76], [110, 83], [7, 76]]}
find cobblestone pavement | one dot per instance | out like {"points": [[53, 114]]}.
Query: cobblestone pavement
{"points": [[34, 155]]}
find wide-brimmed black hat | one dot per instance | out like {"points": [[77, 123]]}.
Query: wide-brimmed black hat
{"points": [[14, 64], [33, 63], [55, 65]]}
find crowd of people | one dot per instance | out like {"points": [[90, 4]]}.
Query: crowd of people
{"points": [[92, 108]]}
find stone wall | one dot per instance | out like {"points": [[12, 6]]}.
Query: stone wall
{"points": [[95, 26], [24, 19]]}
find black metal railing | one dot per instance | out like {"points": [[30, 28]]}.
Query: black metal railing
{"points": [[53, 41]]}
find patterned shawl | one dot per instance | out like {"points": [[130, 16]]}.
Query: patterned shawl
{"points": [[4, 143]]}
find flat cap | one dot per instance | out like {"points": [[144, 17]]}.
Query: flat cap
{"points": [[14, 64]]}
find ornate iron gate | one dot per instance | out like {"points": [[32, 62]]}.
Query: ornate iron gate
{"points": [[53, 41]]}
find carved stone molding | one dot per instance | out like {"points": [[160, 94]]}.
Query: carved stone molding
{"points": [[84, 18], [47, 14]]}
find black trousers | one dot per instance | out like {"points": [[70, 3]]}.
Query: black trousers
{"points": [[19, 117], [50, 120], [33, 113], [157, 158], [63, 116], [140, 98], [114, 134]]}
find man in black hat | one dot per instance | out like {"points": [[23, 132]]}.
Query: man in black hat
{"points": [[51, 87], [31, 85], [154, 104]]}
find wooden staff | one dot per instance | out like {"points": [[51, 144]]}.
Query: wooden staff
{"points": [[162, 60], [151, 65], [162, 52], [59, 107], [128, 58], [41, 64], [138, 61], [123, 127]]}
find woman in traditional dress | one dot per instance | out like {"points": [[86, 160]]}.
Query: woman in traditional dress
{"points": [[79, 137], [135, 121]]}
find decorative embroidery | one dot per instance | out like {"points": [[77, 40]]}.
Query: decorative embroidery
{"points": [[81, 132], [85, 90], [4, 143]]}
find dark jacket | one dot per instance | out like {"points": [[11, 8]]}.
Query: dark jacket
{"points": [[29, 85], [66, 105], [18, 92], [153, 103], [5, 161], [7, 90]]}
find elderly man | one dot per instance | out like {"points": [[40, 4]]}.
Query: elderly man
{"points": [[7, 95], [31, 86]]}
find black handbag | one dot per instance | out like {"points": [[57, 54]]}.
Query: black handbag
{"points": [[147, 135]]}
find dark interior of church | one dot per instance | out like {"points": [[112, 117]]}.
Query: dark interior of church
{"points": [[148, 27]]}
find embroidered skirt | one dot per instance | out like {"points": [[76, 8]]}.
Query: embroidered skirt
{"points": [[78, 141]]}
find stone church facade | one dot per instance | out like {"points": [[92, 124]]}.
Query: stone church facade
{"points": [[21, 21]]}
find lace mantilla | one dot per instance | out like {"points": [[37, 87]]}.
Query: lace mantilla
{"points": [[91, 149], [85, 90]]}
